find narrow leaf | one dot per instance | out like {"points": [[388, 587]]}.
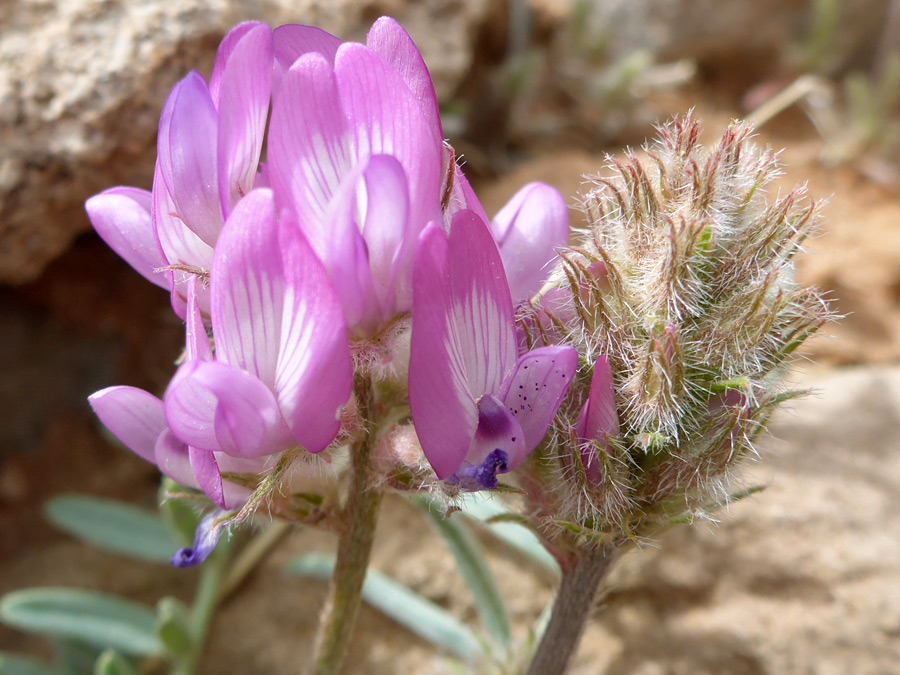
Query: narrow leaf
{"points": [[91, 617], [409, 609], [113, 526], [474, 571], [493, 516], [13, 664]]}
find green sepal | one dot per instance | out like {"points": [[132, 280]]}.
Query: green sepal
{"points": [[113, 663], [173, 627], [182, 517]]}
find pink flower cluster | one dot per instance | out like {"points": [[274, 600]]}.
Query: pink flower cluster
{"points": [[358, 215]]}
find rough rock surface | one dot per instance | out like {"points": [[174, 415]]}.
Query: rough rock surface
{"points": [[82, 83]]}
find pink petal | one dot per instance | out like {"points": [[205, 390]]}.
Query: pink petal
{"points": [[599, 417], [314, 375], [180, 246], [198, 347], [223, 55], [187, 156], [535, 389], [529, 230], [385, 118], [480, 310], [206, 471], [308, 151], [132, 415], [247, 288], [462, 196], [173, 460], [213, 406], [243, 108], [121, 216], [347, 257], [393, 44], [443, 408], [293, 41]]}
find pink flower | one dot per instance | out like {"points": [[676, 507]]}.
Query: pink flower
{"points": [[355, 155], [598, 420], [280, 375], [478, 410]]}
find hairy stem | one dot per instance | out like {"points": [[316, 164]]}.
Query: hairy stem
{"points": [[571, 609], [355, 545]]}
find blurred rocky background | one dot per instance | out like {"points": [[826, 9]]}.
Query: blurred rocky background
{"points": [[530, 90]]}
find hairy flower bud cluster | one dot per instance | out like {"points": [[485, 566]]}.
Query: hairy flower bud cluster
{"points": [[681, 299]]}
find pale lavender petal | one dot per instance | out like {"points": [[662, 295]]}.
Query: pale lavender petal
{"points": [[187, 156], [462, 196], [529, 230], [480, 312], [243, 108], [293, 41], [213, 406], [314, 375], [223, 55], [121, 216], [599, 417], [347, 258], [535, 390], [247, 288], [391, 42], [206, 471], [173, 460], [385, 118], [198, 347], [234, 495], [179, 244], [132, 415], [308, 152], [443, 409], [498, 430], [390, 238]]}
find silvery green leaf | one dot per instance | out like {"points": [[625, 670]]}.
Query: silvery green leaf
{"points": [[88, 616], [474, 571], [406, 607], [113, 526]]}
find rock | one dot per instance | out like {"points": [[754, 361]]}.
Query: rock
{"points": [[749, 36], [802, 577], [82, 84]]}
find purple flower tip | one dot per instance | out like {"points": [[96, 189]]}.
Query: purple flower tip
{"points": [[207, 536], [482, 476], [188, 557]]}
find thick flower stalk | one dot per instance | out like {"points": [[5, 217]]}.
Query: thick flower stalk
{"points": [[681, 299]]}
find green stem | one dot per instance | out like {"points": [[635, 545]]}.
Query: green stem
{"points": [[355, 545], [205, 602], [571, 609]]}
